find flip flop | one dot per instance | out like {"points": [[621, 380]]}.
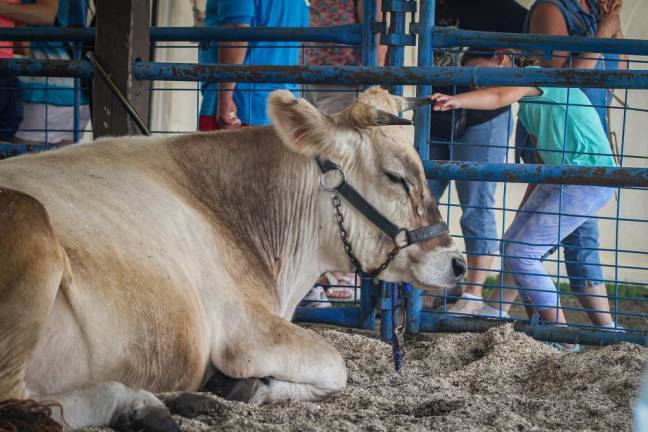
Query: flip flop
{"points": [[341, 288], [316, 297]]}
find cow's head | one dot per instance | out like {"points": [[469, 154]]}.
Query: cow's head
{"points": [[381, 163]]}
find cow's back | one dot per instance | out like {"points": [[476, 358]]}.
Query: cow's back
{"points": [[135, 248]]}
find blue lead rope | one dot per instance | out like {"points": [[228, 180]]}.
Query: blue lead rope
{"points": [[398, 324]]}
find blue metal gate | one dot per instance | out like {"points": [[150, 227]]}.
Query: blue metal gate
{"points": [[378, 298]]}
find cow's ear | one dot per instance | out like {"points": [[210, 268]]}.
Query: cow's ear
{"points": [[302, 127]]}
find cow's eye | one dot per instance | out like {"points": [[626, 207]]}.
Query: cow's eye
{"points": [[395, 178]]}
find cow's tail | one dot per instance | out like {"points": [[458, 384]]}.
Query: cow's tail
{"points": [[27, 415]]}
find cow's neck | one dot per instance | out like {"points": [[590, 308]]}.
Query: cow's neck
{"points": [[267, 199]]}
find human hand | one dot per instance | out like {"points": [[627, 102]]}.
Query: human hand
{"points": [[227, 114], [610, 22], [444, 102], [605, 5]]}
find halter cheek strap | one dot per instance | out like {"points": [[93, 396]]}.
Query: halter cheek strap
{"points": [[353, 197]]}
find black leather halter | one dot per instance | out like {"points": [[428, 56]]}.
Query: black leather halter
{"points": [[402, 237]]}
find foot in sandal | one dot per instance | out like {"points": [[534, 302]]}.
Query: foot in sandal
{"points": [[340, 286]]}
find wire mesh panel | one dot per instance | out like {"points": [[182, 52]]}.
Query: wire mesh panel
{"points": [[596, 260]]}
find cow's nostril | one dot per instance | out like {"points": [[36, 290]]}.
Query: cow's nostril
{"points": [[458, 267]]}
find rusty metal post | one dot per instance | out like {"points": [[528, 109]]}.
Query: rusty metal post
{"points": [[123, 28]]}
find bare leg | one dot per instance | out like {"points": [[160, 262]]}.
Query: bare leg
{"points": [[596, 304], [503, 297]]}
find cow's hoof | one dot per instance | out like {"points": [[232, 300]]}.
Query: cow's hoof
{"points": [[220, 384], [191, 405], [149, 419], [246, 390]]}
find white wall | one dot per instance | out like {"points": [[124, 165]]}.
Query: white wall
{"points": [[176, 111], [175, 104]]}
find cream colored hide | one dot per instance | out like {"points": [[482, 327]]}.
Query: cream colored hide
{"points": [[139, 265]]}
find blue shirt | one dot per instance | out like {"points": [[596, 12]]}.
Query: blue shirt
{"points": [[54, 90], [251, 98]]}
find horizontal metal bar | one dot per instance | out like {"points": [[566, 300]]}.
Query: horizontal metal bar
{"points": [[347, 34], [86, 35], [51, 68], [446, 37], [10, 149], [341, 316], [350, 34], [390, 75], [441, 322], [530, 173]]}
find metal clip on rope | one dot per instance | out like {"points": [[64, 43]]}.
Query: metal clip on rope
{"points": [[399, 322]]}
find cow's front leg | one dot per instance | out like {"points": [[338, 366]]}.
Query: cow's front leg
{"points": [[276, 360]]}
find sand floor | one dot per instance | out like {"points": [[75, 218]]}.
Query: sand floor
{"points": [[497, 381]]}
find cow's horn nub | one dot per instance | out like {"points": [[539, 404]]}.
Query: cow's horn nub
{"points": [[363, 115], [409, 103]]}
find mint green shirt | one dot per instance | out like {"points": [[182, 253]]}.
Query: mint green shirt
{"points": [[566, 135]]}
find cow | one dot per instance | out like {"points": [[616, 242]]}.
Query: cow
{"points": [[138, 265]]}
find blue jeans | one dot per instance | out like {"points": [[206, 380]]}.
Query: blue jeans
{"points": [[11, 107], [533, 233], [486, 142], [582, 246]]}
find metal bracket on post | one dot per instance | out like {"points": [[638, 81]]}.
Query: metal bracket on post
{"points": [[123, 29], [394, 35]]}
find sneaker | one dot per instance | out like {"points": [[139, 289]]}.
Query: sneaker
{"points": [[492, 312], [468, 304], [316, 297], [576, 348]]}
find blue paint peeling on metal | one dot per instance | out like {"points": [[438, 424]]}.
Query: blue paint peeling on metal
{"points": [[530, 173], [347, 34], [425, 58], [445, 37], [350, 34], [51, 68], [390, 75], [442, 322]]}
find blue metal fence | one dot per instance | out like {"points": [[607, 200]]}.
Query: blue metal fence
{"points": [[375, 298]]}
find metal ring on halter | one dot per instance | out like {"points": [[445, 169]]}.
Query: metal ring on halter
{"points": [[335, 186]]}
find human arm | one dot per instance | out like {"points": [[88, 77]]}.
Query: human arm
{"points": [[489, 98], [547, 19], [43, 12], [232, 53], [381, 58], [233, 14]]}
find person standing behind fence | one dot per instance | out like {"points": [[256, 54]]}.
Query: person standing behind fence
{"points": [[48, 114], [10, 96], [594, 18], [333, 98], [565, 130], [232, 105], [484, 138]]}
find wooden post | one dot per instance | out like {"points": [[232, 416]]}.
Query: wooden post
{"points": [[123, 28]]}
